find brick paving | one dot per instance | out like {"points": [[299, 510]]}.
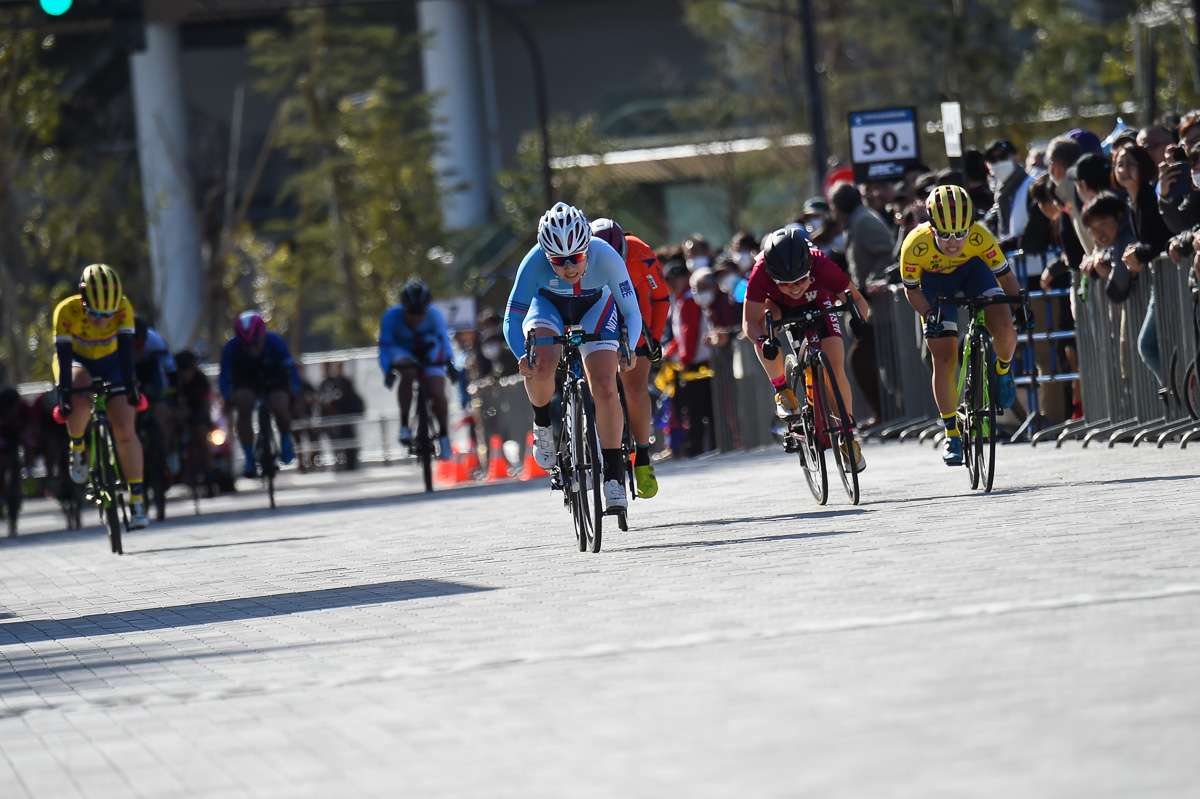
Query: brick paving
{"points": [[738, 641]]}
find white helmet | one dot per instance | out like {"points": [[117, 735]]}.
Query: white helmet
{"points": [[564, 231]]}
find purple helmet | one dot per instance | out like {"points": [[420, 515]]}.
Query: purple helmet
{"points": [[608, 230], [250, 327]]}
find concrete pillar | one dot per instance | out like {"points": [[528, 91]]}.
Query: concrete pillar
{"points": [[451, 70], [175, 258]]}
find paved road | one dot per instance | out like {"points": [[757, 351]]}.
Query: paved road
{"points": [[740, 641]]}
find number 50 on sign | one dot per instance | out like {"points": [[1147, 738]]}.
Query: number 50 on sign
{"points": [[883, 142]]}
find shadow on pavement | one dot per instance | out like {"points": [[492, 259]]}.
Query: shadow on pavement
{"points": [[782, 517], [229, 544], [239, 609], [730, 541]]}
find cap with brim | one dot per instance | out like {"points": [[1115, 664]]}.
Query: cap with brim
{"points": [[815, 205], [676, 269], [1093, 169], [1088, 142]]}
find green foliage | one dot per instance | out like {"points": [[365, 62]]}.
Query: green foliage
{"points": [[60, 209], [364, 198], [593, 190]]}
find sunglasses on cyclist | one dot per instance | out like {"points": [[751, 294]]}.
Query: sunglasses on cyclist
{"points": [[563, 260], [97, 314], [793, 283], [947, 236]]}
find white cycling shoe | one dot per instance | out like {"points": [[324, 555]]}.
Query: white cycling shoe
{"points": [[614, 497], [78, 467], [138, 520], [543, 446]]}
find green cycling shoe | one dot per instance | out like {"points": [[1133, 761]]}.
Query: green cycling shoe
{"points": [[647, 483]]}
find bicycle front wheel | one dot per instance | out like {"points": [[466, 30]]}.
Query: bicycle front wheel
{"points": [[812, 454], [424, 439], [984, 434], [266, 451], [835, 422], [967, 423], [588, 469]]}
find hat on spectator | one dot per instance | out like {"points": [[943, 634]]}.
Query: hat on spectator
{"points": [[815, 205], [676, 268], [999, 149], [1093, 169], [1088, 142], [700, 274]]}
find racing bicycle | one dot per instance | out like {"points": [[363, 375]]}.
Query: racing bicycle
{"points": [[106, 483], [822, 423], [978, 386], [422, 444]]}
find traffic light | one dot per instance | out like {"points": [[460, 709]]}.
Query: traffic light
{"points": [[120, 20], [56, 8]]}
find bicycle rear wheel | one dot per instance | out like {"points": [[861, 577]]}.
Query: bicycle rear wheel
{"points": [[157, 475], [836, 423], [424, 440], [1191, 391], [812, 455]]}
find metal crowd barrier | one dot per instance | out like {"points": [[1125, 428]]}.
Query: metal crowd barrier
{"points": [[906, 405]]}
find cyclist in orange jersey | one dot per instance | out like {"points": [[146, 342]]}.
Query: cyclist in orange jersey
{"points": [[654, 300]]}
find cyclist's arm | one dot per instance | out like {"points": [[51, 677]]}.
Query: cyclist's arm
{"points": [[125, 356], [524, 287], [621, 286], [1008, 282], [387, 336], [859, 301], [64, 351], [917, 300], [224, 380], [443, 334]]}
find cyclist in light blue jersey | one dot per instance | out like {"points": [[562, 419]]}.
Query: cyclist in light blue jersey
{"points": [[572, 278], [414, 333]]}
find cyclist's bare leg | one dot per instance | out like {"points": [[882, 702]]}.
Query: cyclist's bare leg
{"points": [[637, 396], [129, 446], [404, 390], [243, 403], [281, 408], [600, 367], [835, 350], [436, 386], [944, 352], [81, 404], [999, 321], [539, 384]]}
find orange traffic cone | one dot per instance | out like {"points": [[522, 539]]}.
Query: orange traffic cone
{"points": [[497, 463], [531, 471], [445, 473], [470, 460]]}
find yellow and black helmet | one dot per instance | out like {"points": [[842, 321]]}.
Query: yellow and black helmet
{"points": [[950, 209], [101, 289]]}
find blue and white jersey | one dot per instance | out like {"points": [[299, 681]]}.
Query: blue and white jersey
{"points": [[429, 342], [605, 267]]}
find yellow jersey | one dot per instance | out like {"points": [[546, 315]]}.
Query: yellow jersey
{"points": [[72, 325], [920, 253]]}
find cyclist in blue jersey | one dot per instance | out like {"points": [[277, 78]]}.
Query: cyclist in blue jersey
{"points": [[413, 333], [571, 277], [254, 359]]}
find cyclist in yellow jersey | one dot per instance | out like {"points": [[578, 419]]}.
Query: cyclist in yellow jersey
{"points": [[951, 254], [93, 338]]}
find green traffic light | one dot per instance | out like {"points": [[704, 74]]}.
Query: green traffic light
{"points": [[56, 8]]}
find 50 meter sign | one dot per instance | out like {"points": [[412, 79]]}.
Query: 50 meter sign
{"points": [[883, 143]]}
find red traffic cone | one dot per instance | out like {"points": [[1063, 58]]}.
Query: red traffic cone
{"points": [[445, 472], [470, 460], [531, 470], [497, 463]]}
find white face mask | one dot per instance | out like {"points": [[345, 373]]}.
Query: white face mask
{"points": [[745, 260], [727, 282], [705, 298], [1000, 172], [698, 262], [491, 350], [1196, 178]]}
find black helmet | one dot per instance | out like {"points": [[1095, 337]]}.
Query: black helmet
{"points": [[786, 255], [10, 400], [415, 296]]}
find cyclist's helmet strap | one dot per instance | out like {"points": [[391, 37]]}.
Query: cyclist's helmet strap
{"points": [[608, 230], [563, 231], [415, 296], [250, 327], [100, 288], [950, 209], [786, 255]]}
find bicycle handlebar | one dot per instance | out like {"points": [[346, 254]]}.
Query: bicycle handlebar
{"points": [[573, 339], [98, 386], [974, 304]]}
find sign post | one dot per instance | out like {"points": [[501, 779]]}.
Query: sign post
{"points": [[952, 131], [883, 143]]}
